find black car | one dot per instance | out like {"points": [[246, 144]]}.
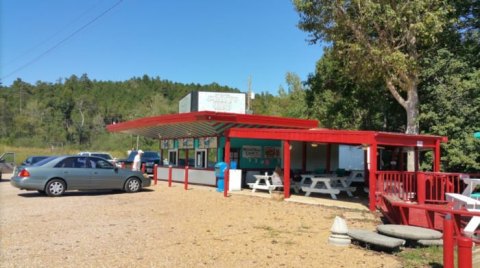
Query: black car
{"points": [[149, 158]]}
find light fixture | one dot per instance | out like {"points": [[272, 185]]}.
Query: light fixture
{"points": [[314, 145]]}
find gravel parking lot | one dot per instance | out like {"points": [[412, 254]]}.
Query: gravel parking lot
{"points": [[171, 227]]}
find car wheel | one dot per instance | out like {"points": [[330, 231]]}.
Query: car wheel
{"points": [[132, 185], [55, 187]]}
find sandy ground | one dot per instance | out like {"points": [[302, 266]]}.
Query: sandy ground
{"points": [[171, 227]]}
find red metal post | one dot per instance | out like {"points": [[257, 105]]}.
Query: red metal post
{"points": [[464, 252], [155, 174], [421, 188], [170, 176], [186, 178], [143, 168], [226, 176], [373, 173], [448, 242], [286, 168], [436, 164]]}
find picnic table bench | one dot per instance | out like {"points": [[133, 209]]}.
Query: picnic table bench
{"points": [[328, 185], [462, 201], [263, 182]]}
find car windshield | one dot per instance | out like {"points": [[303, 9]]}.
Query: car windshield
{"points": [[44, 161], [104, 156]]}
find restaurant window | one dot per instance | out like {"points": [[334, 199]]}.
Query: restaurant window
{"points": [[212, 157], [201, 158], [173, 157]]}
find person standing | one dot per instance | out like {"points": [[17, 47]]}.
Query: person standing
{"points": [[137, 161]]}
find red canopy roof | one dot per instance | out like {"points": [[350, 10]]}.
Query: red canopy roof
{"points": [[204, 124]]}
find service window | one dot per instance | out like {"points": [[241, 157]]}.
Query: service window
{"points": [[212, 158], [173, 157], [201, 158]]}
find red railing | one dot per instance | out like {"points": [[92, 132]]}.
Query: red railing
{"points": [[437, 184], [397, 184], [421, 187]]}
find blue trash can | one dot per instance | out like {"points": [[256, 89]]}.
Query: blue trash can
{"points": [[220, 168]]}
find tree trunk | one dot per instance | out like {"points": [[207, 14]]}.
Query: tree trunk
{"points": [[411, 107], [412, 110]]}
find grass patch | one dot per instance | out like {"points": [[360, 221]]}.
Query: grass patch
{"points": [[21, 153], [421, 257]]}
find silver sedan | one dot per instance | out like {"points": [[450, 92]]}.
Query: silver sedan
{"points": [[55, 175]]}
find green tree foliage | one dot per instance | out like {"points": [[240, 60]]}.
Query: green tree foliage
{"points": [[348, 87], [340, 102], [379, 40], [75, 111]]}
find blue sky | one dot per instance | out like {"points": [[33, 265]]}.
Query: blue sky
{"points": [[190, 41]]}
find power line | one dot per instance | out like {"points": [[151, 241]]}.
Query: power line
{"points": [[63, 40]]}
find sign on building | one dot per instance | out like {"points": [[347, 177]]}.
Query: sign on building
{"points": [[213, 101]]}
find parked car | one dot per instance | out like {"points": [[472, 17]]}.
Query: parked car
{"points": [[102, 155], [53, 176], [149, 158]]}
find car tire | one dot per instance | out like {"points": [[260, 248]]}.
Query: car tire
{"points": [[55, 188], [133, 185], [42, 192]]}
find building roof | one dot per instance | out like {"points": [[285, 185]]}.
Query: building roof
{"points": [[354, 137], [204, 124]]}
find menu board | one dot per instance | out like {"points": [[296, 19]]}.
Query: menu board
{"points": [[249, 151], [271, 152], [167, 144], [186, 143], [208, 142]]}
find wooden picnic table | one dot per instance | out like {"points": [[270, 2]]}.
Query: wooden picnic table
{"points": [[264, 182], [332, 185]]}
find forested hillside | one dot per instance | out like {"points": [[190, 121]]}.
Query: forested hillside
{"points": [[74, 112]]}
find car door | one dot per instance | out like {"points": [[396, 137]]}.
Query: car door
{"points": [[103, 175], [74, 171]]}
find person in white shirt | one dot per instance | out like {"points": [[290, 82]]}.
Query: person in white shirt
{"points": [[137, 161], [277, 177]]}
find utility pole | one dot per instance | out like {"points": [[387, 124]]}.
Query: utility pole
{"points": [[249, 95]]}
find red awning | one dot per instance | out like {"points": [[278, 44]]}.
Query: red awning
{"points": [[204, 124], [320, 135]]}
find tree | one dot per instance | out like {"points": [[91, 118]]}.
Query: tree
{"points": [[340, 102], [379, 40]]}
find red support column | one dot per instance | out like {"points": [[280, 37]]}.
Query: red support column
{"points": [[448, 243], [372, 201], [329, 155], [186, 178], [170, 176], [421, 188], [286, 169], [464, 252], [143, 168], [436, 164], [155, 174], [227, 160]]}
